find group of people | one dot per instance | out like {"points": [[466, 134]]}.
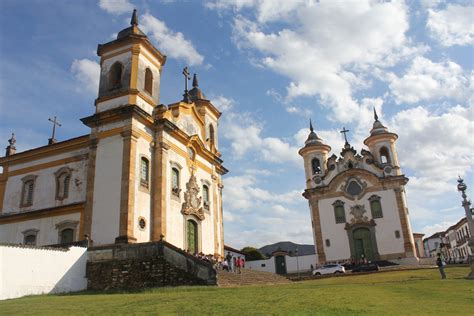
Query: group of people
{"points": [[232, 264]]}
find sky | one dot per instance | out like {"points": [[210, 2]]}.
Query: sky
{"points": [[269, 66]]}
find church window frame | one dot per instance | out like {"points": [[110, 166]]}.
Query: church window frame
{"points": [[144, 172], [376, 206], [66, 227], [328, 243], [339, 212], [384, 155], [28, 190], [175, 179], [212, 135], [148, 84], [63, 183], [30, 237], [206, 193], [142, 223], [397, 234], [115, 76], [315, 165]]}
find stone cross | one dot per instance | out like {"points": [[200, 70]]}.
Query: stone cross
{"points": [[55, 122], [344, 131], [187, 77]]}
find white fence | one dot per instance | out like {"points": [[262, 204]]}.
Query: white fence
{"points": [[35, 270], [293, 264]]}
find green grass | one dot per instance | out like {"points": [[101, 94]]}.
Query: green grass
{"points": [[419, 292]]}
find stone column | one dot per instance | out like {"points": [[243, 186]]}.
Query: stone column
{"points": [[127, 194], [86, 224], [408, 244], [318, 235], [159, 184], [215, 214], [221, 224]]}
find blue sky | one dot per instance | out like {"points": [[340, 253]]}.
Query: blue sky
{"points": [[269, 66]]}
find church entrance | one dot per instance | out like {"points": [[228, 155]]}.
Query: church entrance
{"points": [[363, 244], [192, 236], [280, 264]]}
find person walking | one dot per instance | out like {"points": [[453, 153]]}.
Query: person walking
{"points": [[440, 263]]}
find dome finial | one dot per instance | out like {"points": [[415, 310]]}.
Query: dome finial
{"points": [[311, 126], [376, 117], [195, 81], [134, 20]]}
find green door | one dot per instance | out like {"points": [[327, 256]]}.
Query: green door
{"points": [[280, 265], [363, 244], [192, 237]]}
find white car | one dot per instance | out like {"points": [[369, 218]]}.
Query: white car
{"points": [[329, 269]]}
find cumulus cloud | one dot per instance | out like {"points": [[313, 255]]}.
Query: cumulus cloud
{"points": [[436, 147], [222, 103], [87, 73], [172, 43], [326, 49], [452, 26], [429, 230], [116, 6], [427, 80]]}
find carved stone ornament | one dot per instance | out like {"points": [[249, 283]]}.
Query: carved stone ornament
{"points": [[192, 202], [358, 217]]}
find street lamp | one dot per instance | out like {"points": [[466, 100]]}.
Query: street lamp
{"points": [[297, 263], [462, 187]]}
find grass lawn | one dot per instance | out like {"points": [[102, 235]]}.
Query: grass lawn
{"points": [[419, 292]]}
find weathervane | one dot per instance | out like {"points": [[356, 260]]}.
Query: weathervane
{"points": [[186, 74], [55, 122]]}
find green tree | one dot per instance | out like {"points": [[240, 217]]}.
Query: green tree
{"points": [[252, 254]]}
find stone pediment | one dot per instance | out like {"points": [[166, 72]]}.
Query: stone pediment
{"points": [[192, 201]]}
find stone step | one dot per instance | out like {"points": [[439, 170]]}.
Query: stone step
{"points": [[249, 277]]}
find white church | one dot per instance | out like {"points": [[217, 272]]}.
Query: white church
{"points": [[357, 201], [145, 171]]}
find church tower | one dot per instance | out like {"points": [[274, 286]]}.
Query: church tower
{"points": [[357, 201]]}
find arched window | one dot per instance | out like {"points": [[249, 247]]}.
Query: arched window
{"points": [[316, 165], [29, 237], [144, 172], [375, 206], [27, 190], [115, 76], [384, 156], [63, 178], [192, 237], [66, 236], [339, 212], [205, 196], [211, 135], [175, 181], [149, 81]]}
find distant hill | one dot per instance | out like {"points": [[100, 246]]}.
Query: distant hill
{"points": [[303, 250]]}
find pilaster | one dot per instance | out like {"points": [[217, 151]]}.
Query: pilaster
{"points": [[85, 227], [215, 213], [159, 184], [318, 235], [408, 245], [127, 194]]}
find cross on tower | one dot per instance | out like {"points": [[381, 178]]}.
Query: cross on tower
{"points": [[344, 131], [55, 122], [186, 74]]}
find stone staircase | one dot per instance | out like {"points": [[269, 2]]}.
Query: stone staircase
{"points": [[249, 277]]}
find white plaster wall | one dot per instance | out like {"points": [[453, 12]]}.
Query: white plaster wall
{"points": [[143, 64], [385, 227], [292, 263], [144, 105], [433, 246], [44, 194], [28, 271], [48, 233], [110, 126], [72, 153], [107, 190], [142, 194], [112, 103]]}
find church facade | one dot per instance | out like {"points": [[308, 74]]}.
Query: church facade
{"points": [[357, 201], [146, 171]]}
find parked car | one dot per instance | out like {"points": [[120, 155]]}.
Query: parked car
{"points": [[329, 269], [366, 267]]}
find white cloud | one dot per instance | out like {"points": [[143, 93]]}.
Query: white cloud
{"points": [[436, 147], [427, 80], [87, 73], [222, 103], [169, 42], [453, 26], [116, 6], [435, 228], [326, 49]]}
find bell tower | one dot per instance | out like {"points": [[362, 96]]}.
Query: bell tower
{"points": [[130, 70], [315, 155], [381, 144]]}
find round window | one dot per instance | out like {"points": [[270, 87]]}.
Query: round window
{"points": [[141, 223]]}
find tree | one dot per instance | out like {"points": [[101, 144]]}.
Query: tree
{"points": [[252, 254]]}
